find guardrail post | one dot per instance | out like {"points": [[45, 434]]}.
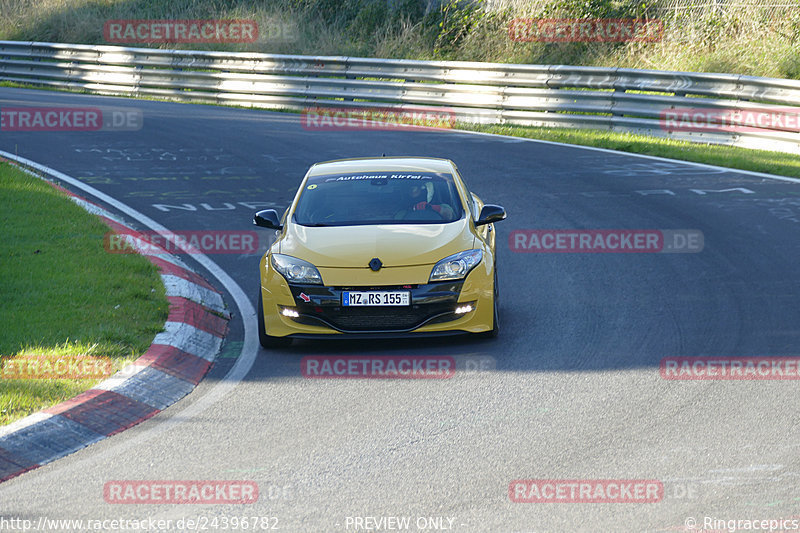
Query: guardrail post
{"points": [[348, 76], [614, 100]]}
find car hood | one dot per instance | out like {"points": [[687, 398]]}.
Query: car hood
{"points": [[394, 244]]}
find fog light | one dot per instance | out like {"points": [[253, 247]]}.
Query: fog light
{"points": [[460, 310], [287, 311]]}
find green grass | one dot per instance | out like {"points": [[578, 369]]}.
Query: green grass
{"points": [[63, 294], [778, 163]]}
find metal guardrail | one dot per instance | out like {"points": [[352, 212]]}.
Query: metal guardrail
{"points": [[616, 99]]}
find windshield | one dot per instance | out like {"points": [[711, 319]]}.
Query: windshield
{"points": [[379, 198]]}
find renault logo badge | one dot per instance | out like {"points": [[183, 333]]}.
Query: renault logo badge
{"points": [[375, 264]]}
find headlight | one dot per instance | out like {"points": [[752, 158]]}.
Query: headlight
{"points": [[456, 266], [296, 270]]}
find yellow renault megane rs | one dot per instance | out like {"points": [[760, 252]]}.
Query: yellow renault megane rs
{"points": [[379, 247]]}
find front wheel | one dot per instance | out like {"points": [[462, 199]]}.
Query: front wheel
{"points": [[267, 341]]}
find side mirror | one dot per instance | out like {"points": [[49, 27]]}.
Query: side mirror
{"points": [[491, 213], [268, 218]]}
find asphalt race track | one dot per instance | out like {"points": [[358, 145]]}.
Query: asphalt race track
{"points": [[571, 390]]}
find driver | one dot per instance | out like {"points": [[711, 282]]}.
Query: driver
{"points": [[422, 194]]}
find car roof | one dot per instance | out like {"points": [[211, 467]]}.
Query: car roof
{"points": [[382, 164]]}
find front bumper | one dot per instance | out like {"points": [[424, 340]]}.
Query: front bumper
{"points": [[432, 312]]}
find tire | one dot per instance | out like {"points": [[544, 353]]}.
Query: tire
{"points": [[265, 340]]}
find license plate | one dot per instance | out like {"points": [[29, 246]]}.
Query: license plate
{"points": [[356, 298]]}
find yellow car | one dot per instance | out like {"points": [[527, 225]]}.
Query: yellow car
{"points": [[379, 247]]}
